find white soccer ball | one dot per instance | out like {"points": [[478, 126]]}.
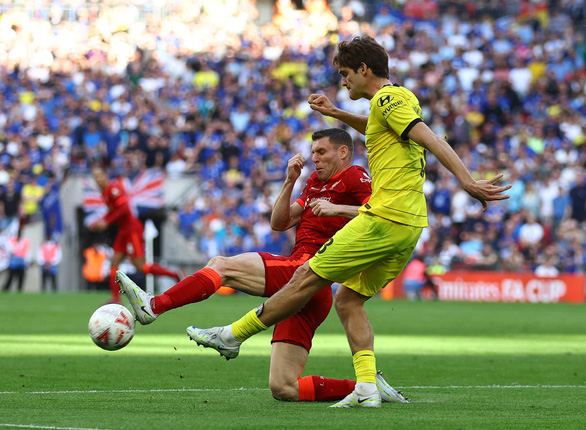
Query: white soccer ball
{"points": [[111, 327]]}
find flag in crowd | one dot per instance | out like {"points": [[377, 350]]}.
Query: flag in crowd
{"points": [[145, 192]]}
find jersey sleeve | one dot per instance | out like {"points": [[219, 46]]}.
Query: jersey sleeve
{"points": [[396, 110], [361, 185], [303, 197]]}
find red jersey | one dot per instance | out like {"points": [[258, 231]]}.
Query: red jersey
{"points": [[350, 187], [119, 211]]}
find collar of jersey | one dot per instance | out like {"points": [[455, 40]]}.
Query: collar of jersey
{"points": [[336, 176]]}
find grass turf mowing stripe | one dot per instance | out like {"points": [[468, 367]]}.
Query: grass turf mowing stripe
{"points": [[325, 345], [32, 426]]}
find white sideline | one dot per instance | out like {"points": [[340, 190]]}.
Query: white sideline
{"points": [[32, 426], [205, 390]]}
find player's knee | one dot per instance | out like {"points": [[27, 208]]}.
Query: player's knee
{"points": [[341, 305], [283, 392], [306, 282], [220, 264], [302, 273]]}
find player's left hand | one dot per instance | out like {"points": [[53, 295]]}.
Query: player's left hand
{"points": [[98, 226], [323, 208], [485, 191]]}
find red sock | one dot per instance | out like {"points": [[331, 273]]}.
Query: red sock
{"points": [[195, 288], [320, 389], [114, 287], [158, 270]]}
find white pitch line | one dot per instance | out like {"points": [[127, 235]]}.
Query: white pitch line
{"points": [[32, 426], [206, 390], [163, 390], [450, 387]]}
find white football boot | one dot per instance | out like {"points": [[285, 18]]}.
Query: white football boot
{"points": [[358, 400], [387, 393], [219, 338], [139, 300]]}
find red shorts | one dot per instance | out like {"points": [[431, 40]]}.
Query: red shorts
{"points": [[129, 240], [300, 328]]}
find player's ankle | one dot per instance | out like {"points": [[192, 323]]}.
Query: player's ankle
{"points": [[365, 388], [228, 337], [154, 307]]}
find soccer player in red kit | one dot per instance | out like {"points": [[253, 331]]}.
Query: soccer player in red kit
{"points": [[129, 239], [329, 200]]}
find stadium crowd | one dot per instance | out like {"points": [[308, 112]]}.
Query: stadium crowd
{"points": [[203, 90]]}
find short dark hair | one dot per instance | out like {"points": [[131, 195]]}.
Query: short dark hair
{"points": [[338, 137], [352, 53]]}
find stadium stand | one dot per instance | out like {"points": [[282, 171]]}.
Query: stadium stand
{"points": [[210, 93]]}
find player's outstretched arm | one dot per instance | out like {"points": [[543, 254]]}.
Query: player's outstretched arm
{"points": [[325, 208], [285, 215], [484, 190], [323, 105]]}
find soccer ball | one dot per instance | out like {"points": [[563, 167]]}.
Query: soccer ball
{"points": [[111, 327]]}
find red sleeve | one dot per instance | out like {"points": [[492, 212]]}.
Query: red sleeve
{"points": [[362, 185], [303, 197]]}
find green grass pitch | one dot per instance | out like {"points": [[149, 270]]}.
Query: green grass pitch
{"points": [[464, 365]]}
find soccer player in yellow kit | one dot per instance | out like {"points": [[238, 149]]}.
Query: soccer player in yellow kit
{"points": [[373, 248]]}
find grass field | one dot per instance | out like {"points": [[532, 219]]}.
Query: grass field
{"points": [[464, 365]]}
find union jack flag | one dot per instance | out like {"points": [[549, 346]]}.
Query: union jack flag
{"points": [[145, 191]]}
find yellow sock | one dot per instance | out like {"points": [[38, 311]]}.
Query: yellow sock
{"points": [[247, 326], [365, 366]]}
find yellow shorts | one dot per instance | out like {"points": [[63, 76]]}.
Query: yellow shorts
{"points": [[366, 254]]}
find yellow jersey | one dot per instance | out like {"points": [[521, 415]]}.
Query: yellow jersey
{"points": [[396, 163]]}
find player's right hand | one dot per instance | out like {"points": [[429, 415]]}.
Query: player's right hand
{"points": [[294, 167], [321, 103]]}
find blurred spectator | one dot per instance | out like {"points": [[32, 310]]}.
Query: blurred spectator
{"points": [[561, 208], [488, 259], [48, 258], [19, 261], [96, 267], [547, 269], [531, 232], [176, 166], [32, 194], [416, 278], [578, 198], [471, 247], [51, 209], [276, 243], [11, 198]]}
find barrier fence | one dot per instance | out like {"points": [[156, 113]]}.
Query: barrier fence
{"points": [[501, 287]]}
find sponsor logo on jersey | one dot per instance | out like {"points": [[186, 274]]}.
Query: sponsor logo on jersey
{"points": [[366, 178], [315, 199], [392, 106], [384, 100]]}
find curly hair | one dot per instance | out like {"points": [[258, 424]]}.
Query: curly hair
{"points": [[352, 53]]}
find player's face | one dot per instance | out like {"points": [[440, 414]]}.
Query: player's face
{"points": [[326, 158], [100, 177], [353, 81]]}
